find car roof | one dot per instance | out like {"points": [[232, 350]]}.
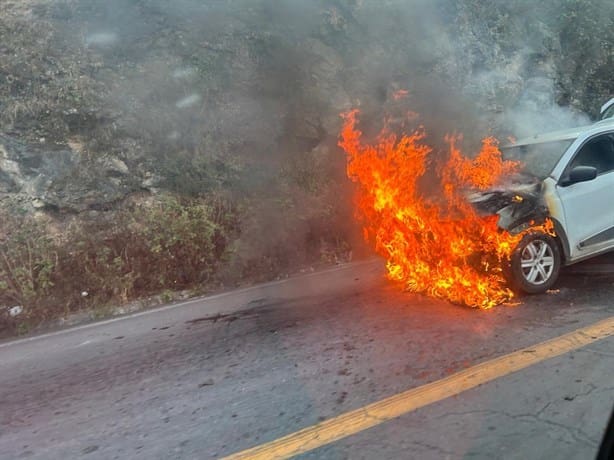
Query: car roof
{"points": [[564, 135]]}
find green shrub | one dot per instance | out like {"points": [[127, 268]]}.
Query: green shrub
{"points": [[147, 248], [28, 259], [143, 249]]}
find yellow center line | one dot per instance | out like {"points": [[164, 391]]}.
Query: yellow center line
{"points": [[386, 409]]}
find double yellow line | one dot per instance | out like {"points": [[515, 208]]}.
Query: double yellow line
{"points": [[386, 409]]}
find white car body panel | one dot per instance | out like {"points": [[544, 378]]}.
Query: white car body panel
{"points": [[587, 208], [584, 210]]}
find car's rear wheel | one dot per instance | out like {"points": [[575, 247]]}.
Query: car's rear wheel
{"points": [[535, 263]]}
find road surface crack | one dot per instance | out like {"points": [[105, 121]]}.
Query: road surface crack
{"points": [[576, 434], [586, 393], [597, 352], [437, 449]]}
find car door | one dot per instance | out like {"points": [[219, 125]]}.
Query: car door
{"points": [[589, 206]]}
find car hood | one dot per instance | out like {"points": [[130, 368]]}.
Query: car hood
{"points": [[518, 204]]}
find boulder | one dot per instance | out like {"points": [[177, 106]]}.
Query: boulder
{"points": [[59, 178]]}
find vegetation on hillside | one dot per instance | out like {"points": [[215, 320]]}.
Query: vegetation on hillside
{"points": [[151, 146]]}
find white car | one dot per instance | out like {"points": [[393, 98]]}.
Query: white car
{"points": [[568, 176]]}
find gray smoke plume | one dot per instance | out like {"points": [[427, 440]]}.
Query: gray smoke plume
{"points": [[244, 96], [268, 75]]}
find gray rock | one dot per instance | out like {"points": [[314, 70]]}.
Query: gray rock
{"points": [[57, 177], [115, 167]]}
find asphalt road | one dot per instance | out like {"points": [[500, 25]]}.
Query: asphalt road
{"points": [[212, 377]]}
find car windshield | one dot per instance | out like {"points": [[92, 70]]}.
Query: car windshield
{"points": [[537, 159]]}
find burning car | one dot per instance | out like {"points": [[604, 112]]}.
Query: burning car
{"points": [[536, 205], [567, 178]]}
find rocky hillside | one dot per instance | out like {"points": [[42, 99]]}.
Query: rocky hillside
{"points": [[104, 105], [102, 99]]}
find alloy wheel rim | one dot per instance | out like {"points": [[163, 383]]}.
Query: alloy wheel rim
{"points": [[537, 262]]}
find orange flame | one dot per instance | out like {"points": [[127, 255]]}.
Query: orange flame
{"points": [[400, 94], [439, 246]]}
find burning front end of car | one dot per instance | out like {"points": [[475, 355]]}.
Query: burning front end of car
{"points": [[534, 264], [436, 241]]}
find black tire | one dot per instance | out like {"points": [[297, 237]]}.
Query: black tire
{"points": [[535, 264]]}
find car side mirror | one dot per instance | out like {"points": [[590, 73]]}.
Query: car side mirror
{"points": [[580, 174]]}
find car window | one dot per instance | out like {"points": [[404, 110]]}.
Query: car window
{"points": [[598, 153], [537, 159]]}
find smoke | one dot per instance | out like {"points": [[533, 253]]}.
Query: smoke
{"points": [[246, 94], [469, 67], [518, 88], [101, 39], [210, 67], [536, 111]]}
